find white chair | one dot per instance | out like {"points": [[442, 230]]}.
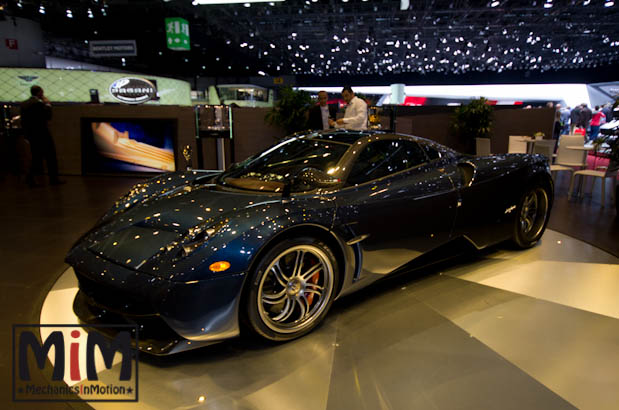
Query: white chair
{"points": [[482, 146], [610, 172], [571, 157], [546, 148], [516, 145], [567, 158]]}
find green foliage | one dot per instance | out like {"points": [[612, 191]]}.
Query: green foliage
{"points": [[472, 120], [290, 111]]}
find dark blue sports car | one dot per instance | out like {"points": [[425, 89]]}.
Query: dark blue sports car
{"points": [[195, 257]]}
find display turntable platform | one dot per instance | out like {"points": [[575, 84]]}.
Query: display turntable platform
{"points": [[534, 329]]}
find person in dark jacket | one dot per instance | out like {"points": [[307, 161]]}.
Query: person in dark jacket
{"points": [[35, 114], [584, 118], [574, 115], [608, 112], [319, 115]]}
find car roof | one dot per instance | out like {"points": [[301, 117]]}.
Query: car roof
{"points": [[350, 137]]}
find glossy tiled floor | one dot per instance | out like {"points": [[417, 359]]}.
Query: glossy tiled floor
{"points": [[503, 329], [506, 329]]}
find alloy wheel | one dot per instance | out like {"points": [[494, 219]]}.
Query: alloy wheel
{"points": [[295, 289]]}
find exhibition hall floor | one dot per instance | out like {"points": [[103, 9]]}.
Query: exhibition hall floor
{"points": [[500, 329]]}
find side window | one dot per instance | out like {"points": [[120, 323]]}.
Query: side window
{"points": [[431, 152], [436, 151], [381, 158]]}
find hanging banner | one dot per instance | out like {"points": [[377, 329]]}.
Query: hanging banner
{"points": [[177, 33]]}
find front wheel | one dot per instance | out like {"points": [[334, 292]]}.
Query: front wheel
{"points": [[531, 217], [291, 289]]}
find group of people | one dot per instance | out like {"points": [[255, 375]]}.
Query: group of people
{"points": [[581, 116], [323, 115]]}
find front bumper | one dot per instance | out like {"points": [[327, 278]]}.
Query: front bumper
{"points": [[171, 316]]}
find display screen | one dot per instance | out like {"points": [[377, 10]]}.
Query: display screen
{"points": [[128, 146]]}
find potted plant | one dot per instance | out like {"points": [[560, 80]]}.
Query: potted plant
{"points": [[472, 121], [290, 110]]}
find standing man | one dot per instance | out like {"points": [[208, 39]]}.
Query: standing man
{"points": [[565, 120], [356, 114], [35, 113], [321, 114], [574, 115], [584, 118], [608, 112]]}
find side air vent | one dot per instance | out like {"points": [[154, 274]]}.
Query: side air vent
{"points": [[467, 173]]}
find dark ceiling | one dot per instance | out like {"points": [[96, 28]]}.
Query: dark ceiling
{"points": [[328, 38]]}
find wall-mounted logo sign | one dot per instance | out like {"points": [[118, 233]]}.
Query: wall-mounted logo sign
{"points": [[113, 48], [177, 33], [11, 43], [133, 90], [28, 78]]}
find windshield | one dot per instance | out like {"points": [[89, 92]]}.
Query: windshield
{"points": [[271, 169]]}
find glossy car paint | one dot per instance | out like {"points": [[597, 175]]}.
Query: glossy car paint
{"points": [[135, 251]]}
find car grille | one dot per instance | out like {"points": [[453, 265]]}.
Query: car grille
{"points": [[112, 298], [155, 336]]}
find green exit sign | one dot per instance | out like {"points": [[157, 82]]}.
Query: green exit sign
{"points": [[177, 33]]}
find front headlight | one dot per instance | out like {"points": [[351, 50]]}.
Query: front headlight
{"points": [[198, 236]]}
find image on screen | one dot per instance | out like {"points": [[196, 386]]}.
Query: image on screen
{"points": [[119, 145]]}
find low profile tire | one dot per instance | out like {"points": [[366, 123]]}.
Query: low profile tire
{"points": [[291, 289], [531, 217]]}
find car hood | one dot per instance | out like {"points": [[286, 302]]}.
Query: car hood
{"points": [[150, 228]]}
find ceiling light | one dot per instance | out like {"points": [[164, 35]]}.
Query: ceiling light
{"points": [[609, 3], [495, 3], [69, 13], [42, 9]]}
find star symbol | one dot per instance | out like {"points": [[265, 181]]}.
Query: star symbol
{"points": [[129, 390]]}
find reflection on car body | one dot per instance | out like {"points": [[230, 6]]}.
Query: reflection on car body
{"points": [[269, 244]]}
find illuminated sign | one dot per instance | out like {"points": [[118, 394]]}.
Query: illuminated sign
{"points": [[132, 90], [113, 48], [177, 33]]}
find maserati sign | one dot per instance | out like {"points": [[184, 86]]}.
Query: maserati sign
{"points": [[133, 90]]}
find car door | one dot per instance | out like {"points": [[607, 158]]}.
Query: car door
{"points": [[397, 204]]}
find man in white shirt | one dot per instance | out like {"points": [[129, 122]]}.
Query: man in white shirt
{"points": [[356, 114]]}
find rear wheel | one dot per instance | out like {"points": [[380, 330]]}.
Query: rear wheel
{"points": [[291, 289], [531, 217]]}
